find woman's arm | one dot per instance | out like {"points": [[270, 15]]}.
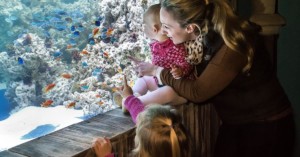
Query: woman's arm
{"points": [[218, 74]]}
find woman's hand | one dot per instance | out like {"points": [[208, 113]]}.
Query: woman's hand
{"points": [[102, 146], [126, 89]]}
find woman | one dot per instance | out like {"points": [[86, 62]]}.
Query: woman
{"points": [[235, 74]]}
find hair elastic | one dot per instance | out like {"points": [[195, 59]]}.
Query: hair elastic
{"points": [[206, 2]]}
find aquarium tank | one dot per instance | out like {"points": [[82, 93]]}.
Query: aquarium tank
{"points": [[61, 61]]}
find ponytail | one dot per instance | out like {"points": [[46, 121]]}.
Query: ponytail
{"points": [[160, 132], [173, 138]]}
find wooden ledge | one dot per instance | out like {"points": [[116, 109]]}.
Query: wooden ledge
{"points": [[76, 139]]}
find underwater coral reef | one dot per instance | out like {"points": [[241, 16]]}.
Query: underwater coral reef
{"points": [[69, 52]]}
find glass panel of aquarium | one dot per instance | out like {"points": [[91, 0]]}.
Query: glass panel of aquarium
{"points": [[62, 60]]}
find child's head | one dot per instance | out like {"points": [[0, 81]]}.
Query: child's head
{"points": [[151, 22], [160, 132]]}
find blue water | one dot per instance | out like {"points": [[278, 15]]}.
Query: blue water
{"points": [[39, 131], [4, 106]]}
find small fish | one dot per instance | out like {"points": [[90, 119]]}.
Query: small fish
{"points": [[84, 87], [73, 28], [84, 64], [122, 66], [115, 89], [105, 54], [60, 27], [66, 75], [103, 35], [57, 54], [68, 19], [97, 72], [20, 61], [49, 87], [97, 23], [47, 103], [109, 31], [72, 104], [113, 40], [72, 42], [95, 31], [76, 34], [104, 29], [60, 12], [98, 96], [80, 27], [69, 46], [84, 52], [91, 41], [100, 103]]}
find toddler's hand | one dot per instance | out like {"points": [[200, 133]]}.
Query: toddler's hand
{"points": [[176, 72], [126, 89], [146, 69], [102, 146]]}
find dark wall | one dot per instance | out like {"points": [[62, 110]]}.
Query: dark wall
{"points": [[288, 60], [288, 54]]}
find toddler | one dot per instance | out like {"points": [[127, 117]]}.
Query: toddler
{"points": [[159, 132]]}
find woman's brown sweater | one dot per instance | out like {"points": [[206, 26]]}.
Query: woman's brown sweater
{"points": [[237, 97]]}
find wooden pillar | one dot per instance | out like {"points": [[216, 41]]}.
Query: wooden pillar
{"points": [[265, 14]]}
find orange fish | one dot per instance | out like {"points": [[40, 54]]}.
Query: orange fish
{"points": [[98, 96], [84, 52], [69, 46], [105, 54], [47, 103], [49, 87], [72, 104], [115, 89], [101, 103], [66, 75], [95, 31], [109, 31]]}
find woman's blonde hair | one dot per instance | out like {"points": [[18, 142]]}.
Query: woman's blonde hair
{"points": [[219, 16], [160, 132]]}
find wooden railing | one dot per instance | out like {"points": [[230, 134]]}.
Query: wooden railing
{"points": [[75, 140]]}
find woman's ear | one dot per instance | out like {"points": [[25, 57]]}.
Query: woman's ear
{"points": [[190, 28]]}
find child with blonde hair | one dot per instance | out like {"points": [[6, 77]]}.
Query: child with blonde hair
{"points": [[159, 132]]}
